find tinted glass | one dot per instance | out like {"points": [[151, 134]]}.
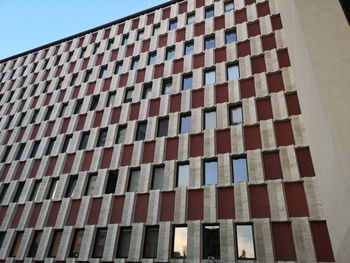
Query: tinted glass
{"points": [[141, 131], [158, 175], [100, 241], [183, 175], [124, 243], [189, 47], [151, 242], [209, 12], [180, 242], [232, 72], [210, 120], [240, 170], [236, 115], [134, 181], [211, 242], [210, 172], [245, 242], [209, 77], [121, 134], [163, 127], [186, 123]]}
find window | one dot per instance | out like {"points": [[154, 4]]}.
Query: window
{"points": [[147, 90], [50, 146], [191, 19], [34, 67], [156, 29], [210, 119], [189, 48], [185, 123], [121, 134], [57, 61], [187, 81], [84, 140], [167, 87], [239, 169], [229, 6], [19, 151], [73, 79], [236, 115], [3, 192], [170, 53], [102, 137], [134, 180], [88, 75], [82, 53], [118, 66], [209, 12], [103, 71], [48, 113], [66, 143], [124, 242], [183, 175], [210, 172], [63, 109], [110, 43], [128, 95], [2, 237], [78, 105], [34, 149], [55, 243], [96, 47], [140, 35], [52, 189], [135, 63], [163, 124], [151, 242], [76, 244], [211, 242], [34, 89], [173, 24], [18, 193], [245, 242], [230, 36], [34, 190], [158, 175], [209, 42], [6, 153], [71, 185], [91, 184], [152, 58], [111, 182], [209, 77], [232, 72], [141, 131], [16, 244], [20, 120], [35, 244], [125, 39], [111, 98], [94, 102], [100, 241], [179, 242]]}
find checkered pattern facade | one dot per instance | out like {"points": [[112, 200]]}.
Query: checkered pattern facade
{"points": [[38, 111]]}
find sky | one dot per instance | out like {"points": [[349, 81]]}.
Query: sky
{"points": [[27, 24]]}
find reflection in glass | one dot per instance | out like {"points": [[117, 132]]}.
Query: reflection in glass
{"points": [[163, 127], [141, 131], [121, 134], [183, 175], [236, 115], [211, 242], [167, 86], [229, 6], [210, 120], [186, 123], [151, 242], [158, 175], [209, 42], [209, 77], [189, 47], [124, 242], [187, 82], [245, 242], [134, 180], [233, 72], [211, 172], [180, 242], [191, 18], [240, 171]]}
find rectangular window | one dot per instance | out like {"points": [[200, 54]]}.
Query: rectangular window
{"points": [[125, 39], [128, 95], [229, 6], [71, 185], [55, 243], [211, 242], [170, 53], [35, 244], [232, 72], [173, 24], [151, 242], [118, 66], [57, 61], [156, 29], [91, 184], [239, 169], [18, 193], [209, 42], [48, 113], [141, 131], [66, 143], [152, 58], [209, 77], [3, 191], [111, 182], [84, 140], [236, 115], [210, 172], [191, 19], [189, 48], [82, 53], [2, 237], [183, 175], [167, 87], [135, 63], [94, 102], [124, 242], [158, 177], [100, 241], [179, 248], [110, 43], [76, 244], [34, 89], [50, 146], [35, 189], [140, 35], [78, 105], [245, 242], [19, 151], [6, 153], [185, 123], [163, 124], [187, 81], [209, 12], [52, 189], [230, 36], [96, 47], [103, 72], [63, 109], [20, 96], [88, 75], [102, 137], [20, 120], [16, 244], [147, 90], [134, 180], [111, 99], [73, 79], [34, 149], [210, 119], [121, 134]]}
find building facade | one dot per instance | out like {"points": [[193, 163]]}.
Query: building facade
{"points": [[178, 134]]}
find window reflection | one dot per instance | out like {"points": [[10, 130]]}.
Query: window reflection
{"points": [[240, 171], [180, 242], [186, 123], [236, 115], [233, 72], [210, 120], [183, 172], [211, 172], [209, 77], [245, 242]]}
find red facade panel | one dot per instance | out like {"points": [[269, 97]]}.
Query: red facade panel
{"points": [[99, 59], [81, 122], [172, 145], [264, 109], [276, 22], [221, 93], [175, 102], [55, 208], [263, 9], [75, 92], [322, 242], [247, 88], [64, 126], [226, 203], [223, 141], [283, 58], [268, 42], [167, 206], [94, 213], [61, 96], [150, 19], [106, 84], [154, 107], [284, 133], [141, 208], [106, 158], [35, 131], [197, 98], [196, 145], [219, 23], [98, 119], [243, 48], [254, 29], [127, 155], [275, 82], [69, 163], [51, 166], [199, 29], [73, 212], [115, 115], [158, 71], [198, 61], [145, 45], [163, 40], [296, 199], [195, 204], [19, 170], [134, 111], [34, 215], [258, 64], [140, 75], [90, 88], [178, 66], [135, 24], [123, 80], [17, 216], [182, 7], [87, 161], [148, 152], [259, 201], [306, 168], [220, 55], [3, 211], [71, 68], [283, 241], [252, 138], [272, 166], [293, 104], [200, 3], [4, 172], [240, 16], [180, 35], [117, 210]]}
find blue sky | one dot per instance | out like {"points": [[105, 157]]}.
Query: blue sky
{"points": [[26, 24]]}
